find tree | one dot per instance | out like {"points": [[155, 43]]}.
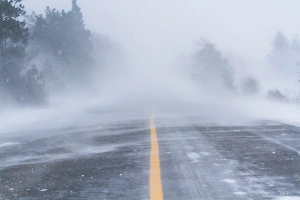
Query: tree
{"points": [[62, 36], [13, 33], [13, 38], [211, 67], [295, 50], [79, 44], [295, 44], [280, 56], [13, 41], [250, 85], [277, 96]]}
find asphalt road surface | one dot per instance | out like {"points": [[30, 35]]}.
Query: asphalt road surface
{"points": [[157, 158]]}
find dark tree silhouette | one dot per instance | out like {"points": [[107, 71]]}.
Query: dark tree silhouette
{"points": [[212, 67], [63, 36], [280, 56], [14, 73]]}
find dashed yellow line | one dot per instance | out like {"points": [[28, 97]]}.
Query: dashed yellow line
{"points": [[155, 179]]}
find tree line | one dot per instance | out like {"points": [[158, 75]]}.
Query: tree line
{"points": [[212, 69], [53, 51], [40, 53]]}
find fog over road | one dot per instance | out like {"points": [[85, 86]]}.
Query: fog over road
{"points": [[115, 159]]}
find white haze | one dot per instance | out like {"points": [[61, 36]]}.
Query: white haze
{"points": [[158, 39]]}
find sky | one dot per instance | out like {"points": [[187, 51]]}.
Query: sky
{"points": [[173, 26]]}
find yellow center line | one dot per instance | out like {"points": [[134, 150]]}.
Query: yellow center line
{"points": [[155, 179]]}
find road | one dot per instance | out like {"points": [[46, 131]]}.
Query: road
{"points": [[153, 158]]}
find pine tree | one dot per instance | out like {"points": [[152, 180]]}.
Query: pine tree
{"points": [[295, 44], [211, 67], [13, 41], [295, 48], [280, 56], [250, 85], [13, 33], [79, 46], [62, 36], [13, 38]]}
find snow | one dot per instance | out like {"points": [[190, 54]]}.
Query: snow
{"points": [[77, 151], [240, 193], [231, 181], [194, 157], [288, 198], [6, 144]]}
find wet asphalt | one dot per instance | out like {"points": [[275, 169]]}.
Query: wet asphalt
{"points": [[259, 160]]}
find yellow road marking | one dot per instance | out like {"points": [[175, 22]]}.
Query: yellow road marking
{"points": [[155, 179]]}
